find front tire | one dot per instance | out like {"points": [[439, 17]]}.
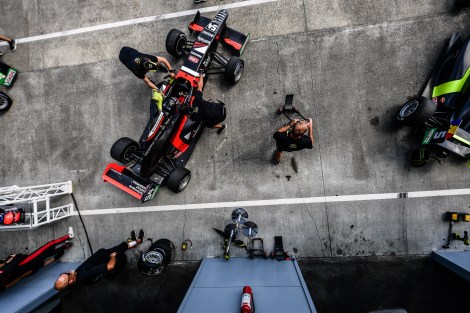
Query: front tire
{"points": [[175, 43], [122, 149], [178, 179], [5, 102], [234, 70], [416, 111]]}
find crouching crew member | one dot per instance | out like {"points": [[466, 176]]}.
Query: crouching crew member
{"points": [[211, 113], [140, 64], [292, 138]]}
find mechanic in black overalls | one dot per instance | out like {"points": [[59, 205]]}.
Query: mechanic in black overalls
{"points": [[102, 263], [140, 64], [211, 113], [292, 138]]}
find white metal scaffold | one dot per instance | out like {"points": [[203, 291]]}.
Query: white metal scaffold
{"points": [[38, 199]]}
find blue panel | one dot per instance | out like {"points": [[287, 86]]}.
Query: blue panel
{"points": [[218, 284], [34, 290], [456, 261], [244, 271]]}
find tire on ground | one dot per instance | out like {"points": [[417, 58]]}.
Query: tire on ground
{"points": [[175, 43], [234, 70], [178, 179], [122, 148], [416, 111], [5, 102]]}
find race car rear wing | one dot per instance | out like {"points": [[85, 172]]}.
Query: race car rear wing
{"points": [[233, 38], [128, 181]]}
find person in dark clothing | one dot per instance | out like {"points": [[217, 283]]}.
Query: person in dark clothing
{"points": [[18, 266], [104, 262], [140, 64], [212, 113], [291, 137]]}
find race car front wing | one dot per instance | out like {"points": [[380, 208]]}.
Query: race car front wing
{"points": [[125, 179]]}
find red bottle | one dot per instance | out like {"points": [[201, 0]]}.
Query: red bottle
{"points": [[247, 300]]}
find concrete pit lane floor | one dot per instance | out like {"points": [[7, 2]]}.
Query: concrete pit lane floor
{"points": [[350, 65]]}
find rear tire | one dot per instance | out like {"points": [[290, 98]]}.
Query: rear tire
{"points": [[122, 149], [5, 102], [234, 70], [178, 179], [175, 43], [416, 111]]}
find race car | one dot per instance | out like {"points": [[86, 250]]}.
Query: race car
{"points": [[160, 155], [443, 109], [8, 76]]}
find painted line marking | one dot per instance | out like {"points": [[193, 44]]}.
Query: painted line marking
{"points": [[140, 21], [289, 201]]}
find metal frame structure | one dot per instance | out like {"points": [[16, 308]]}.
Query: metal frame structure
{"points": [[39, 198]]}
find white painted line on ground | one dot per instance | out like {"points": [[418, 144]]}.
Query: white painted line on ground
{"points": [[289, 201], [140, 21]]}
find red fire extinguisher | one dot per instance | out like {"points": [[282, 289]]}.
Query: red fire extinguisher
{"points": [[247, 300]]}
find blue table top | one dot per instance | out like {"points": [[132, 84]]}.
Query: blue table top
{"points": [[277, 286]]}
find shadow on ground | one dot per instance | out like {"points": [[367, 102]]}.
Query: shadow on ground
{"points": [[346, 285]]}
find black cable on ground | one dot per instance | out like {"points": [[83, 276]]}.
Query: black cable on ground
{"points": [[83, 224]]}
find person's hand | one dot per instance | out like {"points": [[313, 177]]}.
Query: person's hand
{"points": [[310, 123], [172, 73], [112, 255]]}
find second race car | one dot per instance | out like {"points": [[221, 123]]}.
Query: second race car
{"points": [[443, 109]]}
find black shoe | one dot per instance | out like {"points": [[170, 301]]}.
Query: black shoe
{"points": [[274, 160], [68, 244], [222, 129], [12, 45], [199, 1], [133, 237], [141, 235]]}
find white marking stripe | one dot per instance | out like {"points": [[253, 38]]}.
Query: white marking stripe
{"points": [[139, 21], [189, 71], [290, 201]]}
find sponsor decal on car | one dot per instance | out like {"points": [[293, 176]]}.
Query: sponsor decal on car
{"points": [[10, 76], [193, 59], [428, 136]]}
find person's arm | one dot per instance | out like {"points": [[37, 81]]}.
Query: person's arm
{"points": [[112, 262], [149, 83], [288, 126], [200, 83], [167, 64], [310, 129], [19, 278]]}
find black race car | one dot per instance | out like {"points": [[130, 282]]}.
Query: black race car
{"points": [[443, 109], [170, 137]]}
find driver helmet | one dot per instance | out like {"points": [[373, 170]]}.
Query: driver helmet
{"points": [[173, 101], [8, 218]]}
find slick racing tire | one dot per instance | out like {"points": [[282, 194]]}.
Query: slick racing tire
{"points": [[234, 70], [153, 261], [122, 149], [5, 102], [416, 111], [178, 179], [175, 43]]}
